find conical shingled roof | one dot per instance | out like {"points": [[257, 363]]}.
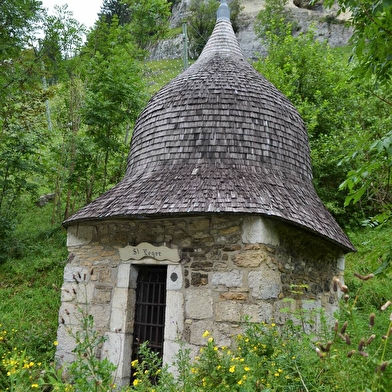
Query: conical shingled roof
{"points": [[219, 138]]}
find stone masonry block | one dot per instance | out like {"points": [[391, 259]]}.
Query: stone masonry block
{"points": [[251, 311], [170, 352], [234, 296], [101, 315], [74, 274], [223, 336], [228, 311], [265, 283], [70, 314], [85, 293], [232, 278], [66, 344], [79, 235], [249, 259], [341, 263], [102, 295], [123, 275], [259, 230], [68, 292], [197, 330], [174, 317], [265, 312], [198, 304], [117, 349], [119, 309]]}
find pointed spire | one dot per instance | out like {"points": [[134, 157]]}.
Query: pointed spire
{"points": [[223, 11]]}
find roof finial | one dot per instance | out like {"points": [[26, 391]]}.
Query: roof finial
{"points": [[223, 11]]}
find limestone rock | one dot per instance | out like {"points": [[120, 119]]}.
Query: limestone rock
{"points": [[308, 4]]}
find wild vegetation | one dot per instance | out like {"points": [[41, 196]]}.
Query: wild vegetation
{"points": [[66, 116]]}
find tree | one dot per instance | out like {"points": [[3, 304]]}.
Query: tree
{"points": [[149, 20], [62, 41], [372, 38], [111, 8], [113, 97], [274, 19], [369, 181], [18, 21], [113, 100], [22, 121]]}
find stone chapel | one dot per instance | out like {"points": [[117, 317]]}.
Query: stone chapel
{"points": [[215, 219]]}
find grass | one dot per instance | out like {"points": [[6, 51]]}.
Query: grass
{"points": [[29, 283], [373, 253]]}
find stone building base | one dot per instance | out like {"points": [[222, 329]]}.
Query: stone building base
{"points": [[230, 267]]}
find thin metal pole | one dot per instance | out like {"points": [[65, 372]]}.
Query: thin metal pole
{"points": [[185, 41]]}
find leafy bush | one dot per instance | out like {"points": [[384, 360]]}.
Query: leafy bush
{"points": [[354, 355]]}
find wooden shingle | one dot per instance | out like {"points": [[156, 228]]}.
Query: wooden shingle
{"points": [[219, 138]]}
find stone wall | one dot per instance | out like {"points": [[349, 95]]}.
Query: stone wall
{"points": [[326, 24], [231, 266]]}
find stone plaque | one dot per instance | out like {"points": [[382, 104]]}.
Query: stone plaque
{"points": [[145, 249]]}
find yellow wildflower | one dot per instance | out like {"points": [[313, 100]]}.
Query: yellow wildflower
{"points": [[134, 363], [232, 369], [55, 342], [205, 334]]}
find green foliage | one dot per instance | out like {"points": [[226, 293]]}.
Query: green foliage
{"points": [[112, 8], [268, 358], [146, 20], [372, 23], [18, 20], [18, 372], [149, 20], [158, 73], [372, 257], [368, 181], [22, 135], [274, 20], [30, 279], [113, 97], [201, 22], [147, 369], [63, 37], [88, 373]]}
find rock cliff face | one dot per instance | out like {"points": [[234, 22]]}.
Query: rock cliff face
{"points": [[327, 27]]}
